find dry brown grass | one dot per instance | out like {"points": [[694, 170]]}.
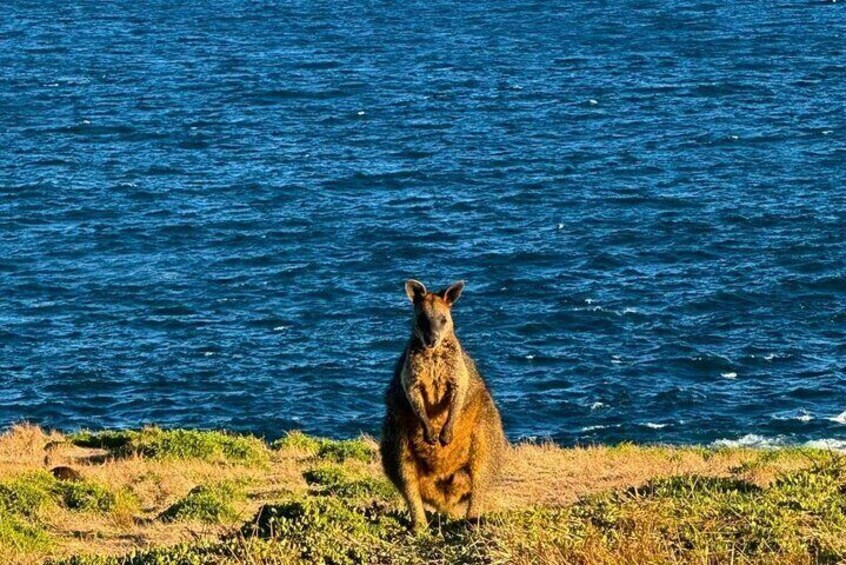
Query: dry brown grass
{"points": [[534, 476]]}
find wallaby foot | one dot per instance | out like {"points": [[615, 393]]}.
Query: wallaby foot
{"points": [[474, 509], [417, 515]]}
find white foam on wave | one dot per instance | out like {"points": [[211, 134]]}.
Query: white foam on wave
{"points": [[761, 442], [828, 443], [281, 328], [597, 405], [654, 426], [590, 308], [731, 375], [840, 418], [800, 415], [749, 440], [599, 427]]}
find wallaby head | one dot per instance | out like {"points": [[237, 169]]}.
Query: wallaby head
{"points": [[432, 311]]}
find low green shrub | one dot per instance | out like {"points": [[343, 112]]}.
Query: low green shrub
{"points": [[20, 536], [26, 499], [334, 480], [206, 503], [157, 443], [296, 439], [28, 494], [328, 449], [323, 530], [85, 496]]}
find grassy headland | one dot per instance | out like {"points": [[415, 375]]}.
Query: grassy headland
{"points": [[184, 496]]}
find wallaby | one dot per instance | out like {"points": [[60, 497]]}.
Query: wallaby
{"points": [[442, 442]]}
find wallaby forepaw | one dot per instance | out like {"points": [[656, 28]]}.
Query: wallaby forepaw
{"points": [[429, 437], [446, 436]]}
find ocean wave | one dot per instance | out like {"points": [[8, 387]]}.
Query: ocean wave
{"points": [[599, 427], [654, 426], [800, 415], [596, 308], [762, 442]]}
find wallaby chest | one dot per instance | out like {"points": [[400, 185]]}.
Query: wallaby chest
{"points": [[434, 372]]}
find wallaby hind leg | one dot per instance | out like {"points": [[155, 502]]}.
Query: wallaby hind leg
{"points": [[410, 488], [485, 460], [479, 470]]}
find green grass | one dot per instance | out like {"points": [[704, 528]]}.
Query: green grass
{"points": [[28, 494], [233, 550], [18, 535], [785, 506], [32, 494], [27, 499], [334, 480], [340, 451], [206, 503], [327, 449], [298, 440], [800, 518], [346, 518], [158, 443]]}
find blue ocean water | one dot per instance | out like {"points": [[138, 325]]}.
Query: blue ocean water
{"points": [[207, 212]]}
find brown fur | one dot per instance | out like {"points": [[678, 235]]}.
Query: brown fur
{"points": [[65, 473], [442, 441]]}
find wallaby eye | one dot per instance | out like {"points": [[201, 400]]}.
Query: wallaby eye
{"points": [[443, 319]]}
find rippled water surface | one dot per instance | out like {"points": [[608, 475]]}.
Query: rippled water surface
{"points": [[207, 212]]}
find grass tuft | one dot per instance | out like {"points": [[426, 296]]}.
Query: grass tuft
{"points": [[212, 504], [157, 443], [85, 496], [335, 480], [28, 494], [297, 440], [327, 449], [19, 536], [340, 451]]}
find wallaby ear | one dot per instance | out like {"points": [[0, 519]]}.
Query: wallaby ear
{"points": [[451, 293], [414, 289]]}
